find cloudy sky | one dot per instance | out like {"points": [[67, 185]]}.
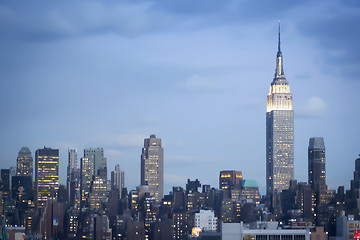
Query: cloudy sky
{"points": [[195, 73]]}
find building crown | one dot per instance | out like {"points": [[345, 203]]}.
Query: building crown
{"points": [[279, 77]]}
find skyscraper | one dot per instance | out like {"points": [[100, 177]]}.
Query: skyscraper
{"points": [[24, 163], [152, 167], [46, 175], [117, 179], [87, 173], [230, 179], [316, 167], [279, 131], [72, 165], [96, 156]]}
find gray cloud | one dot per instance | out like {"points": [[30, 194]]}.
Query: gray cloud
{"points": [[337, 34], [73, 19], [314, 107]]}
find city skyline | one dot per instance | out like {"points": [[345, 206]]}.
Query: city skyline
{"points": [[206, 69]]}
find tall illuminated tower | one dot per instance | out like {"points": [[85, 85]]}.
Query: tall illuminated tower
{"points": [[279, 131], [46, 175], [152, 167]]}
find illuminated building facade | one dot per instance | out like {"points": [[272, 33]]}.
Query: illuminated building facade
{"points": [[230, 179], [24, 163], [87, 173], [279, 131], [250, 191], [46, 175], [152, 167], [98, 193], [181, 223]]}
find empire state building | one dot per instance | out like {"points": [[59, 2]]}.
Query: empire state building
{"points": [[279, 131]]}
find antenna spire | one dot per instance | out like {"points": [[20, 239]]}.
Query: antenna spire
{"points": [[279, 72], [279, 39]]}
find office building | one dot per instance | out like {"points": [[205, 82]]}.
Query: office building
{"points": [[117, 179], [24, 163], [96, 156], [46, 175], [152, 167], [316, 168], [72, 165], [279, 131], [250, 191], [230, 179], [182, 226], [97, 194], [87, 173], [52, 221]]}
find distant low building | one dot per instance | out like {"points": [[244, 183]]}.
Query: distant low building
{"points": [[206, 220], [346, 228], [261, 231]]}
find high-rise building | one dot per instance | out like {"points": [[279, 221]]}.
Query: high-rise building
{"points": [[316, 167], [97, 194], [46, 175], [152, 167], [5, 183], [353, 195], [279, 131], [72, 165], [96, 156], [230, 179], [24, 163], [87, 173], [117, 179]]}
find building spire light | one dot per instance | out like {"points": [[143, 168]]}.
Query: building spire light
{"points": [[279, 72]]}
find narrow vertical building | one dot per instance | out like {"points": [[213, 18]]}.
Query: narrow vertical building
{"points": [[316, 164], [316, 168], [24, 163], [152, 167], [46, 175], [117, 179], [72, 166], [87, 173], [279, 131]]}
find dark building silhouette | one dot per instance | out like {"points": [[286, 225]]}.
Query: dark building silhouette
{"points": [[230, 179], [192, 186], [316, 168], [24, 163]]}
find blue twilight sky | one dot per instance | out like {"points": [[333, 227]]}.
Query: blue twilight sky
{"points": [[195, 73]]}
